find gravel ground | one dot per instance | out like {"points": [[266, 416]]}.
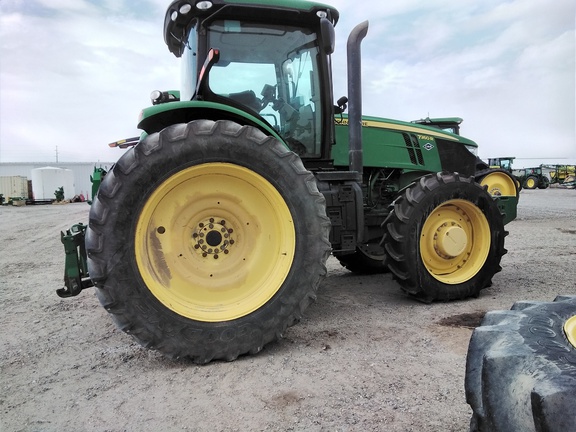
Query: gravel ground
{"points": [[364, 358]]}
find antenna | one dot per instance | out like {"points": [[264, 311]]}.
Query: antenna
{"points": [[56, 154]]}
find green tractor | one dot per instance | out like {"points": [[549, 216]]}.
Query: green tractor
{"points": [[505, 163], [532, 178], [210, 235], [502, 162]]}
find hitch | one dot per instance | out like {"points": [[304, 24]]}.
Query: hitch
{"points": [[76, 276]]}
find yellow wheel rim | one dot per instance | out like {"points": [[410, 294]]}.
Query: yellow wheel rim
{"points": [[214, 242], [530, 183], [570, 329], [499, 184], [455, 241]]}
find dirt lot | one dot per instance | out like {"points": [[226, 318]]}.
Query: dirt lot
{"points": [[365, 358]]}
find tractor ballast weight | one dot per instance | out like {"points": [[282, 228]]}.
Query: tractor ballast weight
{"points": [[210, 235]]}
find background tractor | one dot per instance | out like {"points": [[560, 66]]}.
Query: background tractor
{"points": [[505, 163], [532, 178], [502, 162], [210, 235]]}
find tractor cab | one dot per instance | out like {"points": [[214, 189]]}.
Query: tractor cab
{"points": [[504, 163], [269, 69]]}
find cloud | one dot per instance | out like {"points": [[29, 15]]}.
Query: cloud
{"points": [[506, 68], [75, 73]]}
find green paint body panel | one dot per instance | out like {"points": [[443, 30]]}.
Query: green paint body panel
{"points": [[385, 146], [508, 206]]}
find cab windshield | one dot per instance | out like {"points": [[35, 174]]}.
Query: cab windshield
{"points": [[272, 71]]}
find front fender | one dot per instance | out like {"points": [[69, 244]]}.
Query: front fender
{"points": [[157, 117]]}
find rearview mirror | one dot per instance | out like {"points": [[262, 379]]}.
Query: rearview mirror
{"points": [[328, 35]]}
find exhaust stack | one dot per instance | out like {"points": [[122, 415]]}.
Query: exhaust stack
{"points": [[355, 97]]}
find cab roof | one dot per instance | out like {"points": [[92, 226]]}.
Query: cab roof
{"points": [[181, 13]]}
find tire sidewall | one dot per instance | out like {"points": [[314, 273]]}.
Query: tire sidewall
{"points": [[542, 328], [521, 369], [159, 157]]}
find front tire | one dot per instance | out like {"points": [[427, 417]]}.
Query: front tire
{"points": [[531, 182], [521, 368], [207, 240], [444, 238]]}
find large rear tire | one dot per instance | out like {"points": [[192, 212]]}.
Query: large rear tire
{"points": [[444, 238], [498, 182], [521, 368], [544, 183], [207, 240]]}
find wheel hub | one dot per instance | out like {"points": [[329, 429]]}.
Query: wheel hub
{"points": [[213, 236], [455, 241], [450, 240]]}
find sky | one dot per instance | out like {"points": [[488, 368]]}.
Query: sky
{"points": [[74, 74]]}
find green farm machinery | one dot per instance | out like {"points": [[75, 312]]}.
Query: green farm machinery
{"points": [[210, 235], [563, 175], [502, 162], [532, 178], [542, 176]]}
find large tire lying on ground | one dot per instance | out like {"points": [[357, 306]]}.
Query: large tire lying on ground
{"points": [[207, 240], [444, 238], [521, 368]]}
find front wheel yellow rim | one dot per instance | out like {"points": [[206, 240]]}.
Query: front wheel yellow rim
{"points": [[214, 242], [455, 241], [530, 183], [499, 184]]}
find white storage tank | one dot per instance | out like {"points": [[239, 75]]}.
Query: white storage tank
{"points": [[45, 181]]}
